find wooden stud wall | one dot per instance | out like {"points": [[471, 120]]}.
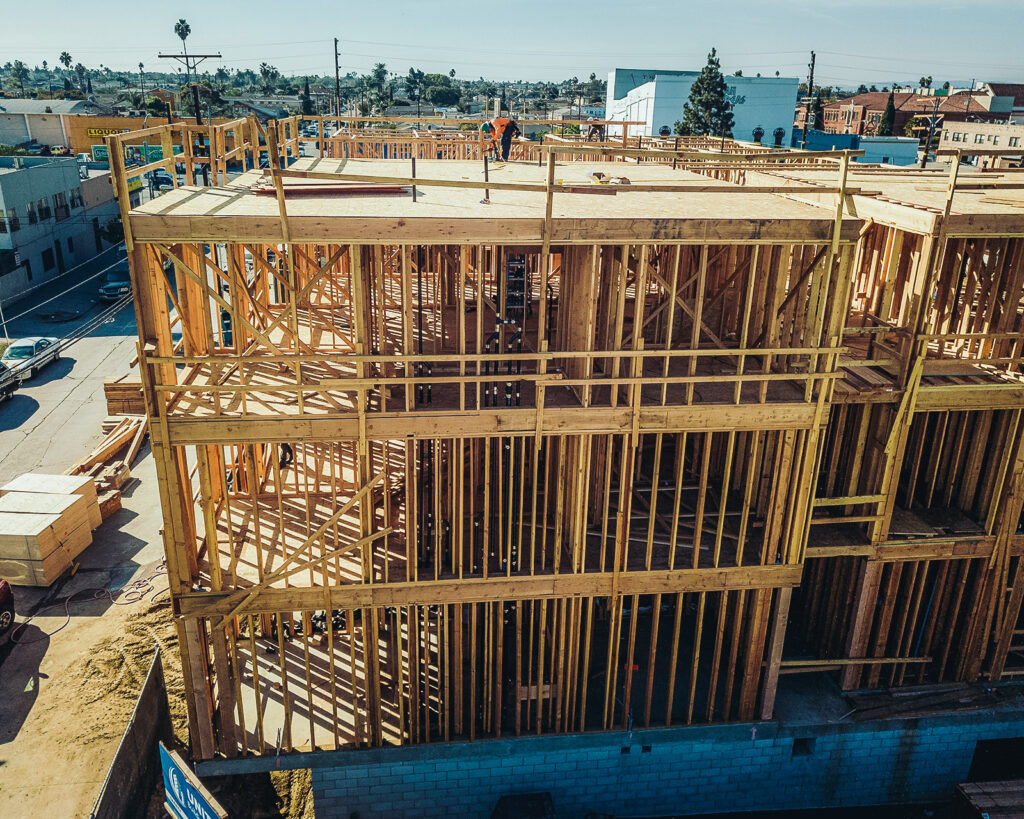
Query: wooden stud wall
{"points": [[417, 493]]}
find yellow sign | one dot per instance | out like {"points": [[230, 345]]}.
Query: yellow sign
{"points": [[134, 184], [102, 132]]}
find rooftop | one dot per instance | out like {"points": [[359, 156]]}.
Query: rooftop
{"points": [[915, 199], [917, 103], [712, 210], [12, 164], [24, 106]]}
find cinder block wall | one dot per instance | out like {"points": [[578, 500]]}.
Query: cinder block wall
{"points": [[696, 770]]}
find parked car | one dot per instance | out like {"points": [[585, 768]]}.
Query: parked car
{"points": [[26, 356], [6, 607], [161, 180], [116, 282], [9, 382]]}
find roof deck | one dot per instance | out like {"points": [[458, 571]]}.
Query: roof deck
{"points": [[695, 209]]}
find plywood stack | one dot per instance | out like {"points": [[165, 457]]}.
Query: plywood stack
{"points": [[59, 485], [124, 395], [46, 521]]}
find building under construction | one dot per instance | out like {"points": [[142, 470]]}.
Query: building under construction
{"points": [[608, 439]]}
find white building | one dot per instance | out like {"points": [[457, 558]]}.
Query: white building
{"points": [[656, 98], [44, 121], [50, 220]]}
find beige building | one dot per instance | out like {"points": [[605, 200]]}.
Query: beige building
{"points": [[973, 135]]}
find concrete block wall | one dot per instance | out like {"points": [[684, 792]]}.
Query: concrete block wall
{"points": [[693, 770]]}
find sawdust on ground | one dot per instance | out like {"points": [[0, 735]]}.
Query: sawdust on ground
{"points": [[284, 794]]}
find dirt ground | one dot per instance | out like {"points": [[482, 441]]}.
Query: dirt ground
{"points": [[285, 794]]}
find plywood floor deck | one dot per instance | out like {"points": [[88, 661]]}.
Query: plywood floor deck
{"points": [[221, 213]]}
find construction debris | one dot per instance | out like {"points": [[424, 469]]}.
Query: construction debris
{"points": [[109, 464]]}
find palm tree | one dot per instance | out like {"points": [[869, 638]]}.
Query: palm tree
{"points": [[65, 60], [270, 77], [182, 29]]}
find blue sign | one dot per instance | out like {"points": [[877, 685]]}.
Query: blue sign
{"points": [[186, 796]]}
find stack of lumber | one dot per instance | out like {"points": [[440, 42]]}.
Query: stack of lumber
{"points": [[920, 700], [46, 521], [109, 464], [124, 395]]}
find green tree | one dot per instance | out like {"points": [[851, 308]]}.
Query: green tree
{"points": [[926, 82], [307, 102], [65, 60], [270, 76], [862, 89], [439, 90], [888, 120], [378, 77], [414, 86], [708, 110], [19, 73], [80, 71]]}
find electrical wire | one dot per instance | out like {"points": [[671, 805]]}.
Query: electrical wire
{"points": [[134, 592], [65, 292]]}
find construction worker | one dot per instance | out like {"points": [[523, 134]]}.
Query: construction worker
{"points": [[488, 132], [504, 130]]}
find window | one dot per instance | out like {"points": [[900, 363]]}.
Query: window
{"points": [[979, 138], [60, 206], [47, 259], [71, 245], [13, 223], [1014, 142], [43, 206], [76, 198], [31, 208], [995, 140], [945, 136]]}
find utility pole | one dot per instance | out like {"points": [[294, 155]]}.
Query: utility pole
{"points": [[191, 61], [932, 121], [810, 96], [337, 83]]}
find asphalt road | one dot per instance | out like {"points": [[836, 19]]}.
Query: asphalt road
{"points": [[55, 417]]}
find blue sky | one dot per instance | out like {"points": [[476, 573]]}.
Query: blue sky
{"points": [[871, 41]]}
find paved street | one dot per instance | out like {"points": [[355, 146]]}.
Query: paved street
{"points": [[55, 417], [51, 422]]}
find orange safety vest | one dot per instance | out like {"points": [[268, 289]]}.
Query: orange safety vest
{"points": [[498, 126]]}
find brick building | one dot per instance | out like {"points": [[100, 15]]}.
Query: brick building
{"points": [[861, 114]]}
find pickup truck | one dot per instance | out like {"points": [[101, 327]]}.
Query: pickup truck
{"points": [[116, 282]]}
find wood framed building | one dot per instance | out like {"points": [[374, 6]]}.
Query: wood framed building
{"points": [[443, 458], [915, 551]]}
